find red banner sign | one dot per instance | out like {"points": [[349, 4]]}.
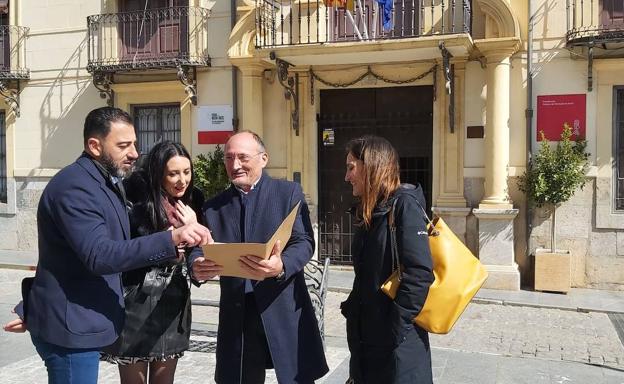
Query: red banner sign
{"points": [[553, 111]]}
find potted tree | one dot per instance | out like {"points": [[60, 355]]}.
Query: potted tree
{"points": [[551, 179], [209, 173]]}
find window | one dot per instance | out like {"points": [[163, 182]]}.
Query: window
{"points": [[3, 161], [618, 146], [153, 29], [154, 123], [5, 37], [612, 14]]}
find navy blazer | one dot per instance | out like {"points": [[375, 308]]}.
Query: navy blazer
{"points": [[285, 307], [76, 300]]}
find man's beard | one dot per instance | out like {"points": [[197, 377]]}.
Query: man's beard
{"points": [[109, 164]]}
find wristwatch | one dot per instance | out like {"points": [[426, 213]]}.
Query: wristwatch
{"points": [[280, 276]]}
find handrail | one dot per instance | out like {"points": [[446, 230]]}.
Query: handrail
{"points": [[592, 20], [155, 38], [12, 52], [296, 22]]}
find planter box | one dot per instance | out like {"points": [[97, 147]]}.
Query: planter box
{"points": [[552, 270]]}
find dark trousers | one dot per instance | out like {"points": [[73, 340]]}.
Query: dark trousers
{"points": [[407, 363], [256, 354]]}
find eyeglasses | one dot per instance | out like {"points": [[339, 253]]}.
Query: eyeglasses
{"points": [[242, 157]]}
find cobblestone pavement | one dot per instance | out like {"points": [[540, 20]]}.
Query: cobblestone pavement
{"points": [[519, 332], [545, 333], [193, 368], [536, 332], [490, 344]]}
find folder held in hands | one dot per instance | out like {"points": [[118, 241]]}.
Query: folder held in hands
{"points": [[227, 254]]}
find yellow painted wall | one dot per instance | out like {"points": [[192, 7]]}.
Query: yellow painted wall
{"points": [[48, 135], [276, 127]]}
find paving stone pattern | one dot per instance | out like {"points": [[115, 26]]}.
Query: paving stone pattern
{"points": [[519, 332], [502, 343], [537, 332]]}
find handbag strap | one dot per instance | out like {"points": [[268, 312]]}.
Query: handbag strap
{"points": [[432, 229], [396, 263], [393, 241]]}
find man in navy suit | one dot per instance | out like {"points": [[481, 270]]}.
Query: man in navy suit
{"points": [[268, 321], [75, 305]]}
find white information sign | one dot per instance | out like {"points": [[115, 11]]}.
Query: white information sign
{"points": [[214, 118]]}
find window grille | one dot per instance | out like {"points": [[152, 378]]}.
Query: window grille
{"points": [[618, 127], [3, 160], [155, 123]]}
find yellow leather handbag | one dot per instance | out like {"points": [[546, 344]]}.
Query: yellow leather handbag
{"points": [[458, 276]]}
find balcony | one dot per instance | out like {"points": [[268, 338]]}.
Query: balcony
{"points": [[298, 22], [595, 23], [12, 53], [595, 30], [12, 64], [172, 37]]}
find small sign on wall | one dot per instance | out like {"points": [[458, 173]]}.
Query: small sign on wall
{"points": [[553, 111], [328, 137], [214, 124]]}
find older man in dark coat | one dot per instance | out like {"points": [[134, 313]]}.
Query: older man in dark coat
{"points": [[269, 321]]}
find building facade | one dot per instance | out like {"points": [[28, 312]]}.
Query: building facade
{"points": [[447, 82]]}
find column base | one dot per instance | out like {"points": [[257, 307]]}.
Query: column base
{"points": [[451, 201], [455, 218], [495, 205], [496, 247], [503, 277]]}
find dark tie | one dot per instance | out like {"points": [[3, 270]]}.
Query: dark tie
{"points": [[244, 199]]}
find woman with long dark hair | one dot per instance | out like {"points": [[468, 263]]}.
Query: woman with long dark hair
{"points": [[385, 345], [158, 306]]}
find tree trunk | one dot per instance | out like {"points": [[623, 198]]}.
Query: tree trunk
{"points": [[553, 229]]}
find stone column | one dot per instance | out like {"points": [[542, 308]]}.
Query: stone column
{"points": [[497, 130], [250, 105], [496, 212]]}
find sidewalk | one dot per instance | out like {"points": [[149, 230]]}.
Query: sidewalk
{"points": [[578, 299], [492, 343], [341, 280]]}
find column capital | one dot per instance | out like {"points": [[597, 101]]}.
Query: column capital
{"points": [[250, 66], [459, 62], [497, 50]]}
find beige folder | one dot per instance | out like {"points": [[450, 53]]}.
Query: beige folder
{"points": [[228, 254]]}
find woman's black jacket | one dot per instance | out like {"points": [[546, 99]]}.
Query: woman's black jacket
{"points": [[372, 318], [137, 188]]}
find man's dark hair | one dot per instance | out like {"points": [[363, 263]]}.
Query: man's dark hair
{"points": [[98, 122]]}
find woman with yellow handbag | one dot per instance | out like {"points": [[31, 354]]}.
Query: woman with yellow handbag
{"points": [[385, 345]]}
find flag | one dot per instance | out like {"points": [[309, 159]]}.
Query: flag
{"points": [[386, 6], [346, 4]]}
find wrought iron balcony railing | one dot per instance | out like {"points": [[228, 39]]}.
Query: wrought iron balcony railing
{"points": [[151, 39], [295, 22], [13, 53], [598, 21]]}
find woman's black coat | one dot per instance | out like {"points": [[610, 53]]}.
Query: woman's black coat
{"points": [[386, 347], [157, 298]]}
